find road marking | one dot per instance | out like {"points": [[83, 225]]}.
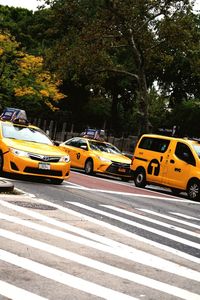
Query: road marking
{"points": [[112, 247], [66, 279], [184, 216], [138, 225], [172, 219], [134, 277], [93, 236], [172, 227], [173, 199], [15, 293]]}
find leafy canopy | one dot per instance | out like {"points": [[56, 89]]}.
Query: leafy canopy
{"points": [[23, 80]]}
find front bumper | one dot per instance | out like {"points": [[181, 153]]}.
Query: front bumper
{"points": [[116, 169], [28, 166]]}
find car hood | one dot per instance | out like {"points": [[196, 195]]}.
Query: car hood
{"points": [[114, 157], [35, 147]]}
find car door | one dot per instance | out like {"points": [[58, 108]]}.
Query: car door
{"points": [[71, 147], [179, 166], [81, 153], [153, 151]]}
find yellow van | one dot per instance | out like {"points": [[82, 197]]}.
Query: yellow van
{"points": [[168, 161]]}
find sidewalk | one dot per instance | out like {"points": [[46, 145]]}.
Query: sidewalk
{"points": [[6, 186]]}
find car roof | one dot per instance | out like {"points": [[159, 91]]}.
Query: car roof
{"points": [[91, 139], [180, 139]]}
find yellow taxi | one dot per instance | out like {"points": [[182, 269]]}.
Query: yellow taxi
{"points": [[97, 156], [26, 149], [168, 161]]}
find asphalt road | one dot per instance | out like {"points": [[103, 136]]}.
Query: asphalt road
{"points": [[94, 237]]}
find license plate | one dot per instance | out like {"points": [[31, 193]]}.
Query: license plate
{"points": [[122, 170], [44, 166]]}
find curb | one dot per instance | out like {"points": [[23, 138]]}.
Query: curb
{"points": [[6, 186]]}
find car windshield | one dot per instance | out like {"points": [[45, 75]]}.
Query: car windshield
{"points": [[23, 133], [104, 147], [197, 149]]}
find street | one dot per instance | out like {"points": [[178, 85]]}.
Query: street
{"points": [[97, 238]]}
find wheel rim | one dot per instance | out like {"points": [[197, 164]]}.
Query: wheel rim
{"points": [[194, 191], [140, 178]]}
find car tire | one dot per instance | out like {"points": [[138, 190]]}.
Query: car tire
{"points": [[140, 178], [89, 167], [56, 181], [193, 190]]}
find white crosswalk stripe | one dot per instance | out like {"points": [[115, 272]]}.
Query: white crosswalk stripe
{"points": [[13, 292], [147, 228], [61, 237]]}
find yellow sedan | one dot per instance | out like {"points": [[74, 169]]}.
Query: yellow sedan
{"points": [[26, 149], [95, 156]]}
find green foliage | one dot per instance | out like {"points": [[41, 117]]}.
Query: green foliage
{"points": [[17, 21], [23, 81], [186, 117], [132, 41], [178, 72], [116, 49]]}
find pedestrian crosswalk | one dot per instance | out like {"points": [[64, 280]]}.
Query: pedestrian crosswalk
{"points": [[89, 251]]}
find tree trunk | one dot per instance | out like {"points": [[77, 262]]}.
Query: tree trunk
{"points": [[143, 104]]}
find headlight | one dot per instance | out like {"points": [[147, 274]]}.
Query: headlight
{"points": [[104, 159], [19, 152], [65, 159]]}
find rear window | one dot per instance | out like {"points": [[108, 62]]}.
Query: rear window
{"points": [[154, 144]]}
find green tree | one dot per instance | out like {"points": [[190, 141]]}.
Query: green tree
{"points": [[18, 21], [97, 39], [178, 58], [186, 117], [23, 80], [31, 29]]}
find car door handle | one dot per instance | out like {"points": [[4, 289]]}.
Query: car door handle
{"points": [[161, 158], [172, 161]]}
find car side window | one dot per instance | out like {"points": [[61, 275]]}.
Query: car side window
{"points": [[82, 144], [73, 142], [184, 153], [154, 144]]}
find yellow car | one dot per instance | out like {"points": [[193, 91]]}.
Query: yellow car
{"points": [[168, 161], [95, 156], [26, 149]]}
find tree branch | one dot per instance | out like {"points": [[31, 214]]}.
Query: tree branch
{"points": [[135, 76]]}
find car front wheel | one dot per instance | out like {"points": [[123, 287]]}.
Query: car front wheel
{"points": [[89, 167], [140, 178], [193, 190]]}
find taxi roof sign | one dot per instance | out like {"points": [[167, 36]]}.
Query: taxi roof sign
{"points": [[96, 134], [14, 115]]}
